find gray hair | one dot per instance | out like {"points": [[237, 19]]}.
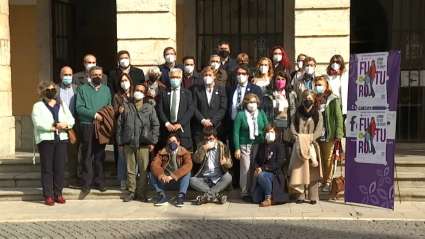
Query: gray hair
{"points": [[43, 86], [95, 68], [214, 56], [154, 70], [178, 70]]}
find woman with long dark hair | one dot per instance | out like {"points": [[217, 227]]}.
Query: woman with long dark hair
{"points": [[304, 167]]}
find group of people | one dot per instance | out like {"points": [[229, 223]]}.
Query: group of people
{"points": [[266, 130]]}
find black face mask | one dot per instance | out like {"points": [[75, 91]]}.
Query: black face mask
{"points": [[50, 94], [307, 103], [223, 53], [153, 78], [96, 81]]}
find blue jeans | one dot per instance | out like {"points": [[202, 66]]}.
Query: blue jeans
{"points": [[122, 167], [181, 185], [264, 188]]}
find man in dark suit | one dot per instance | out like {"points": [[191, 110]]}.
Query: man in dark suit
{"points": [[191, 78], [235, 95], [83, 77], [176, 109], [124, 66], [68, 95], [210, 101], [170, 56]]}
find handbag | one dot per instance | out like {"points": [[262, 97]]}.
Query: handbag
{"points": [[338, 184], [146, 136], [71, 134], [280, 122]]}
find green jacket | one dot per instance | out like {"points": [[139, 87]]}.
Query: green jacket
{"points": [[241, 129], [200, 157], [43, 121], [90, 101], [334, 125]]}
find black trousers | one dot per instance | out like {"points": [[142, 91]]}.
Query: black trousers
{"points": [[92, 148], [53, 161], [236, 163]]}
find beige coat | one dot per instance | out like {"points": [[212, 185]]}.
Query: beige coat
{"points": [[300, 170]]}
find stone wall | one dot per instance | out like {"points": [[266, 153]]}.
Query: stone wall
{"points": [[7, 121], [322, 29], [145, 28]]}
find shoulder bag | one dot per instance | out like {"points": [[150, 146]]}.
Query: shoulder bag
{"points": [[71, 133]]}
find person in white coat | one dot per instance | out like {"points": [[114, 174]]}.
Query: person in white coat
{"points": [[338, 79]]}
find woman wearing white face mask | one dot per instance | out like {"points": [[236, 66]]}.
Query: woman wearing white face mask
{"points": [[263, 75], [271, 186], [120, 98], [247, 134], [338, 79]]}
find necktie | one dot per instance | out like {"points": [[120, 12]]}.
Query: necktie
{"points": [[239, 101], [173, 107]]}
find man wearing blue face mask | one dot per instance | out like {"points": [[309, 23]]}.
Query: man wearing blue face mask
{"points": [[176, 109], [68, 96]]}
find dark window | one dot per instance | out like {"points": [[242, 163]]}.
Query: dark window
{"points": [[250, 26]]}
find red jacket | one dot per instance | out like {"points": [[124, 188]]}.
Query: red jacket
{"points": [[372, 129]]}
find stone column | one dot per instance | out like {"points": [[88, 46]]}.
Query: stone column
{"points": [[322, 29], [145, 28], [7, 121]]}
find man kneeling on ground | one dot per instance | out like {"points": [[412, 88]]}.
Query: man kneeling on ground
{"points": [[212, 177], [170, 169]]}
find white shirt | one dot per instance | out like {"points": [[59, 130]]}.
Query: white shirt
{"points": [[209, 94], [235, 99], [177, 103]]}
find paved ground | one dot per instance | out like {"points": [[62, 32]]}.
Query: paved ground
{"points": [[169, 229]]}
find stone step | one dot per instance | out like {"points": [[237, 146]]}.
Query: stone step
{"points": [[35, 194]]}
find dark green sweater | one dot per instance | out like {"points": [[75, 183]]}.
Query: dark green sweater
{"points": [[90, 101], [241, 129]]}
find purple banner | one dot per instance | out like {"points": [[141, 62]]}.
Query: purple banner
{"points": [[371, 126]]}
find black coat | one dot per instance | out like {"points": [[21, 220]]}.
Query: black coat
{"points": [[165, 73], [195, 80], [185, 112], [137, 76], [80, 78], [276, 157], [215, 111], [230, 65]]}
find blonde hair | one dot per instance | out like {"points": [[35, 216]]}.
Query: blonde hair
{"points": [[209, 68], [307, 93], [247, 98], [257, 69], [242, 57], [43, 86], [328, 90]]}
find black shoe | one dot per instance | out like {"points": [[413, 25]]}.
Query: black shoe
{"points": [[101, 188], [129, 198], [246, 198], [86, 188], [300, 201], [313, 202], [222, 199], [141, 197], [180, 202]]}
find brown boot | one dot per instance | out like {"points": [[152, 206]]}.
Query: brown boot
{"points": [[266, 203]]}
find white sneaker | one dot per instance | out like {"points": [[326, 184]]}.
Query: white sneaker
{"points": [[123, 185], [326, 188], [321, 185]]}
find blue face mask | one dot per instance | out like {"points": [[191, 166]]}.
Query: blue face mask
{"points": [[319, 89], [175, 82], [173, 146], [67, 80]]}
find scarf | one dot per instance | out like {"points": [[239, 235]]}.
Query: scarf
{"points": [[281, 101], [252, 124], [153, 89], [336, 72], [319, 99], [305, 113]]}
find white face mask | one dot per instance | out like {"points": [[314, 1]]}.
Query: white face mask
{"points": [[309, 70], [300, 64], [216, 65], [264, 69], [89, 66], [270, 137], [335, 66], [189, 69], [241, 79], [252, 106], [169, 58], [212, 144], [124, 63], [277, 58], [208, 80], [138, 95], [125, 85]]}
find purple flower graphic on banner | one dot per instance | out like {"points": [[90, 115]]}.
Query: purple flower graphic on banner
{"points": [[384, 176], [386, 197], [368, 192]]}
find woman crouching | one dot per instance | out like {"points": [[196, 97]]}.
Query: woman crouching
{"points": [[271, 186]]}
